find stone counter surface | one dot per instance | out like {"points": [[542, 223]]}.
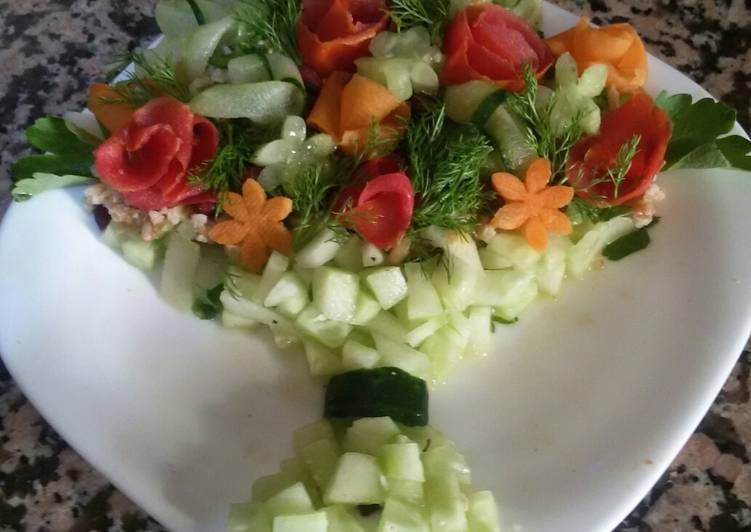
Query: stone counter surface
{"points": [[51, 50]]}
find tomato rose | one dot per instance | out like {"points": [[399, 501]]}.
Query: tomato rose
{"points": [[488, 42], [149, 159], [383, 206], [331, 34], [592, 157]]}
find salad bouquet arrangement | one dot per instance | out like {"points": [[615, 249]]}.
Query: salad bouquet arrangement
{"points": [[381, 182]]}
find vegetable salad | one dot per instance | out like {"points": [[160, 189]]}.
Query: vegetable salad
{"points": [[382, 184]]}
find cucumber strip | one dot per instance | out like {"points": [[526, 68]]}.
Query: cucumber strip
{"points": [[202, 43], [463, 100], [265, 103], [376, 393], [487, 107], [248, 69]]}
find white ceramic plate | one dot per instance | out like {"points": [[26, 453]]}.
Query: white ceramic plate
{"points": [[569, 422]]}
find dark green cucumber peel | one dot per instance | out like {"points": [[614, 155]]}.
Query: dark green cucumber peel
{"points": [[378, 392], [487, 107]]}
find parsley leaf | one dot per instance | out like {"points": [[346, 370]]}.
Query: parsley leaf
{"points": [[209, 306], [66, 153], [41, 182], [629, 244], [697, 140]]}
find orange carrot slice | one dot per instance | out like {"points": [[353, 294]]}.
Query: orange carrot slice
{"points": [[112, 116], [325, 113]]}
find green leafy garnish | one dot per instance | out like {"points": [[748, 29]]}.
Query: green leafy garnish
{"points": [[26, 188], [153, 76], [550, 145], [629, 244], [445, 162], [65, 152], [698, 128], [433, 14], [209, 306], [268, 25]]}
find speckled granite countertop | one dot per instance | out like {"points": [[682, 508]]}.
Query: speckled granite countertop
{"points": [[51, 50]]}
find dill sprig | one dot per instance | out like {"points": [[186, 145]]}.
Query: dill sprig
{"points": [[152, 76], [433, 14], [616, 174], [554, 146], [239, 140], [445, 161], [269, 25]]}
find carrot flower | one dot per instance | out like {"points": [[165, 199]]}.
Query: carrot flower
{"points": [[255, 225], [532, 205]]}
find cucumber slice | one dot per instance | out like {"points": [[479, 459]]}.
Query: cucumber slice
{"points": [[366, 309], [403, 356], [372, 255], [249, 517], [318, 251], [265, 103], [143, 255], [180, 266], [357, 480], [311, 522], [422, 332], [482, 514], [321, 360], [378, 392], [272, 272], [387, 284], [387, 325], [335, 293], [330, 333], [349, 255], [290, 501], [502, 287], [511, 139], [321, 458], [251, 310], [422, 299], [304, 436], [248, 69], [233, 321], [590, 246], [444, 349], [401, 461], [358, 356], [368, 435], [552, 268]]}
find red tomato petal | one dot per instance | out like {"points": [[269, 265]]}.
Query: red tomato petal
{"points": [[148, 200], [337, 22], [314, 10], [367, 11], [500, 32], [171, 112], [155, 148], [205, 141]]}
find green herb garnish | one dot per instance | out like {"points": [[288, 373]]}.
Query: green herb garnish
{"points": [[629, 244], [580, 211], [616, 174], [434, 14], [269, 25], [153, 76]]}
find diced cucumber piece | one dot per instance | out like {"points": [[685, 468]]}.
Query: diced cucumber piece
{"points": [[378, 392], [411, 491], [367, 435], [480, 328], [318, 251], [321, 458], [290, 501], [289, 292], [551, 270], [310, 522], [446, 503], [386, 324], [456, 284], [387, 284], [248, 309], [444, 349], [265, 103], [403, 357], [272, 272], [463, 100], [343, 519], [249, 517], [335, 293], [284, 69], [321, 360], [512, 251], [482, 514], [366, 309], [358, 356], [401, 461], [202, 43], [372, 255], [442, 459], [423, 78], [233, 321], [357, 480], [513, 309], [511, 139], [180, 265], [243, 282], [143, 255], [399, 515], [590, 247], [304, 436], [306, 274], [349, 255], [502, 287], [296, 468], [248, 69], [422, 332], [329, 332], [422, 299]]}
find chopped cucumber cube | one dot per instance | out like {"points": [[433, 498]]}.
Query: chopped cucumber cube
{"points": [[358, 356], [343, 519], [399, 515], [180, 265], [310, 522], [290, 501], [513, 309], [387, 284], [422, 299], [386, 324], [248, 309], [403, 357], [442, 459], [349, 256], [357, 480], [369, 434], [551, 270], [422, 332], [480, 328], [457, 286], [289, 286], [318, 251], [366, 309], [372, 255], [335, 293], [243, 282], [321, 458], [249, 517], [272, 272], [412, 491], [444, 349], [143, 255], [401, 461], [482, 515], [502, 287], [330, 333], [446, 504], [321, 360], [304, 436], [266, 487], [509, 250]]}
